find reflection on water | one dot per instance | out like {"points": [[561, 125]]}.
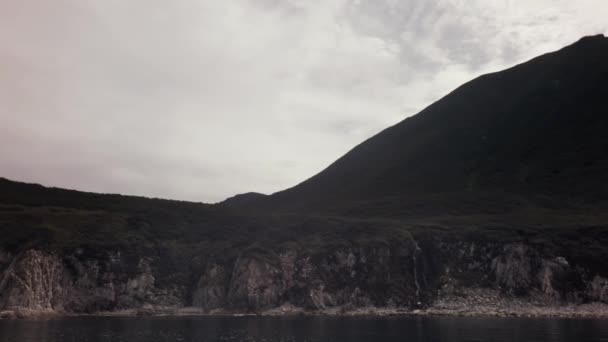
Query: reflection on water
{"points": [[275, 329]]}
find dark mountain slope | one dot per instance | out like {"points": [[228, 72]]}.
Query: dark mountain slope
{"points": [[241, 199], [537, 129]]}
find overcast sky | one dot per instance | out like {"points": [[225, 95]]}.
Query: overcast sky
{"points": [[202, 99]]}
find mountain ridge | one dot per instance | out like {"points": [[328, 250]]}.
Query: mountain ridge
{"points": [[473, 116]]}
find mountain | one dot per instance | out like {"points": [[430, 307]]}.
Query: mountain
{"points": [[241, 200], [536, 130], [493, 201]]}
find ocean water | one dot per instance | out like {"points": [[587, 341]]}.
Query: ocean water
{"points": [[275, 329]]}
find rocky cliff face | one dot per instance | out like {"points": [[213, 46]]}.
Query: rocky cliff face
{"points": [[411, 274], [39, 280]]}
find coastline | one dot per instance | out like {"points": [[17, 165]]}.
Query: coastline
{"points": [[569, 311]]}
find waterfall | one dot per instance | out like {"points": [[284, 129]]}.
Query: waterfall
{"points": [[414, 260]]}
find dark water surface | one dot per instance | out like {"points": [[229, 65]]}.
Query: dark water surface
{"points": [[275, 329]]}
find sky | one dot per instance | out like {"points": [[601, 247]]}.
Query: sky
{"points": [[202, 99]]}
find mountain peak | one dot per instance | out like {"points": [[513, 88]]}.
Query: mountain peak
{"points": [[537, 129], [242, 199], [594, 39]]}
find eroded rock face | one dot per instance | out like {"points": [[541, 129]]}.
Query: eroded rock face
{"points": [[210, 291], [514, 269], [34, 280], [38, 280], [408, 274], [255, 284], [598, 289], [354, 277]]}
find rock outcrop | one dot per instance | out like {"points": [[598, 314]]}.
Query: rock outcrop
{"points": [[409, 274], [41, 281], [33, 280]]}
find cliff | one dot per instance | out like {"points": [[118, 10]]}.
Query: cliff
{"points": [[406, 275]]}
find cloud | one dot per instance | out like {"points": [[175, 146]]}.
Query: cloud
{"points": [[200, 100]]}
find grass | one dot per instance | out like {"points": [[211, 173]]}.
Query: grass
{"points": [[183, 232]]}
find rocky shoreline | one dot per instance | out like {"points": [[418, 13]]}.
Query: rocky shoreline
{"points": [[516, 308]]}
